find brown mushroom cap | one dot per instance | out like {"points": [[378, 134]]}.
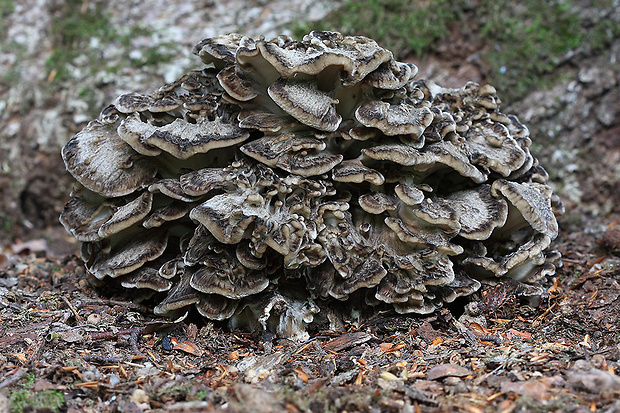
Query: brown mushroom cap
{"points": [[430, 158], [84, 214], [219, 48], [127, 215], [391, 75], [358, 55], [354, 171], [161, 215], [478, 212], [298, 154], [132, 102], [236, 84], [491, 146], [524, 259], [216, 307]]}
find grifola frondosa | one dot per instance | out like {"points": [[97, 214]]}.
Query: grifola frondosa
{"points": [[287, 178]]}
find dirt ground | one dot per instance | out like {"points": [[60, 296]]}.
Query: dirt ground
{"points": [[68, 345]]}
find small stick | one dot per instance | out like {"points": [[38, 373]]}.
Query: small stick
{"points": [[78, 319], [111, 334], [15, 377]]}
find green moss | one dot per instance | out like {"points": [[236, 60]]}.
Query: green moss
{"points": [[50, 399], [156, 55], [400, 26], [6, 8], [522, 42], [526, 41], [74, 24]]}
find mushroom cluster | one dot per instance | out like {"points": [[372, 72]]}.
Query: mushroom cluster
{"points": [[292, 179]]}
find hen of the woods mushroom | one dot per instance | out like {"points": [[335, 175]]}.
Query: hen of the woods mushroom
{"points": [[289, 181]]}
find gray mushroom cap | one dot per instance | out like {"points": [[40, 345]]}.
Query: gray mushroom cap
{"points": [[130, 254], [479, 213], [226, 276], [305, 102], [181, 295], [533, 201], [102, 162], [358, 56], [355, 172], [132, 102], [401, 119], [182, 139], [148, 278], [216, 307], [127, 215]]}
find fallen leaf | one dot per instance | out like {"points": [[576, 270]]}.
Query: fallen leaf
{"points": [[523, 335], [21, 357], [301, 374], [535, 389], [347, 340], [447, 370]]}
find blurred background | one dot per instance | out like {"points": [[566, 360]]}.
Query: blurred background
{"points": [[555, 64]]}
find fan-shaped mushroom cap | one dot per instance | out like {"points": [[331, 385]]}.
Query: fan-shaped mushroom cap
{"points": [[84, 214], [428, 159], [146, 278], [236, 84], [216, 307], [265, 121], [491, 146], [219, 48], [391, 75], [182, 139], [226, 276], [291, 153], [127, 215], [533, 202], [181, 295], [358, 55], [132, 102], [355, 172], [478, 212], [402, 119], [520, 262], [171, 188], [130, 254], [409, 194], [305, 102], [161, 215], [102, 162]]}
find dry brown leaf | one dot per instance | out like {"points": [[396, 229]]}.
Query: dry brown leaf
{"points": [[301, 374]]}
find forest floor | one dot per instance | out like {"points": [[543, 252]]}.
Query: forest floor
{"points": [[68, 346]]}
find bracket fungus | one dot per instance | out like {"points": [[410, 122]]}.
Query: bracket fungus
{"points": [[290, 182]]}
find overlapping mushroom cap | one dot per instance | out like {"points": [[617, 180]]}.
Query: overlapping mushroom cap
{"points": [[287, 176]]}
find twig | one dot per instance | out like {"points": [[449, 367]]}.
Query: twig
{"points": [[78, 319], [111, 334], [13, 379], [128, 304]]}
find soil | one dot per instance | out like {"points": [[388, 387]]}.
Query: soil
{"points": [[69, 345]]}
